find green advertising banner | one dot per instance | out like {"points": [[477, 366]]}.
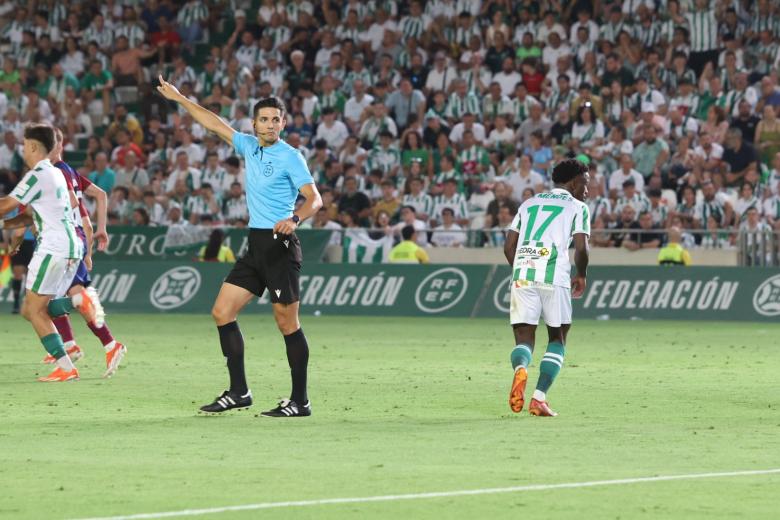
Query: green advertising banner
{"points": [[148, 243], [694, 293]]}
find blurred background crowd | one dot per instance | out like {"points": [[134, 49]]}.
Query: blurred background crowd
{"points": [[440, 114]]}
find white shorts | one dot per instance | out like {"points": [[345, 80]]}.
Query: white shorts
{"points": [[530, 302], [50, 275]]}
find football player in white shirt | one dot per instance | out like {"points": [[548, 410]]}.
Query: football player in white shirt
{"points": [[58, 252], [537, 246]]}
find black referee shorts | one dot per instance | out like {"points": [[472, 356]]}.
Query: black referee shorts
{"points": [[25, 253], [270, 263]]}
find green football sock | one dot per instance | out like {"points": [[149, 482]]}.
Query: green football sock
{"points": [[60, 306], [550, 366], [521, 356], [53, 345]]}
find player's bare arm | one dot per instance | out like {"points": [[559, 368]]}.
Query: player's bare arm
{"points": [[307, 210], [8, 204], [510, 245], [205, 117], [581, 252], [101, 199]]}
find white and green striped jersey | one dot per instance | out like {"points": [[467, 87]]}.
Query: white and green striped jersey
{"points": [[496, 107], [521, 108], [133, 32], [25, 59], [390, 6], [703, 30], [278, 35], [648, 35], [764, 23], [13, 32], [361, 8], [422, 203], [217, 178], [546, 224], [443, 176], [610, 31], [414, 26], [192, 13], [457, 203], [557, 100], [205, 82], [384, 159], [343, 32], [248, 55], [672, 78], [457, 106], [45, 190], [294, 8], [639, 202], [235, 208], [707, 208], [337, 74], [471, 78], [660, 214], [762, 64], [57, 14], [772, 208], [352, 75], [104, 37], [599, 206], [197, 205], [463, 35]]}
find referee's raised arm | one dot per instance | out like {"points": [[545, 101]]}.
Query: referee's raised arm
{"points": [[208, 119]]}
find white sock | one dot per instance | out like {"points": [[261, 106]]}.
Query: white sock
{"points": [[65, 363], [109, 346], [539, 395], [69, 344], [76, 299]]}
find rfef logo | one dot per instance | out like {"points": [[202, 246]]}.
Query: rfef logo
{"points": [[441, 290], [502, 294], [766, 299], [174, 288]]}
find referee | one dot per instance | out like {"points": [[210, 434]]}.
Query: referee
{"points": [[275, 174]]}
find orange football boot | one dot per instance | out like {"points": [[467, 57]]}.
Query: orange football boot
{"points": [[540, 409], [75, 353], [517, 393], [60, 375], [91, 308], [113, 358]]}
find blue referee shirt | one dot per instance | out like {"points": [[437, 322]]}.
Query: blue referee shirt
{"points": [[274, 175]]}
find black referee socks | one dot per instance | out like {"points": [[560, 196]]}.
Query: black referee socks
{"points": [[298, 359], [232, 343]]}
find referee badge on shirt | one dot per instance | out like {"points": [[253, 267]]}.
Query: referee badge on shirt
{"points": [[268, 170]]}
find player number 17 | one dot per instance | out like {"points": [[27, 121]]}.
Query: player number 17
{"points": [[533, 211]]}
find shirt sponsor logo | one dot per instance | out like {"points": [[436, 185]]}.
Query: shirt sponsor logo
{"points": [[441, 290], [175, 287], [766, 299]]}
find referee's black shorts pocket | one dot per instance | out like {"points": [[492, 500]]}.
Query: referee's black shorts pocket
{"points": [[246, 276]]}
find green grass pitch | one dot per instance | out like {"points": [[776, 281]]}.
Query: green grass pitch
{"points": [[400, 406]]}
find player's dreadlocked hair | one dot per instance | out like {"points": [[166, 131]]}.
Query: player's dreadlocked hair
{"points": [[269, 102], [567, 170]]}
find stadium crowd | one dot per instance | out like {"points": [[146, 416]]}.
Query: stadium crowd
{"points": [[441, 114]]}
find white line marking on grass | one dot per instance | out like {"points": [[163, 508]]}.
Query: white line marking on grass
{"points": [[436, 494]]}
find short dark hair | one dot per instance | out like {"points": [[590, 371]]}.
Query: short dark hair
{"points": [[654, 192], [407, 232], [568, 169], [270, 102], [44, 134], [233, 161]]}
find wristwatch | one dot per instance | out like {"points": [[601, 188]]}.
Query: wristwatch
{"points": [[295, 218]]}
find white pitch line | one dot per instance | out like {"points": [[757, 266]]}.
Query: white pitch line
{"points": [[436, 494]]}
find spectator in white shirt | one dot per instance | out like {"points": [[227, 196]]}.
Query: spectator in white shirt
{"points": [[441, 75], [624, 173], [448, 234], [334, 132]]}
